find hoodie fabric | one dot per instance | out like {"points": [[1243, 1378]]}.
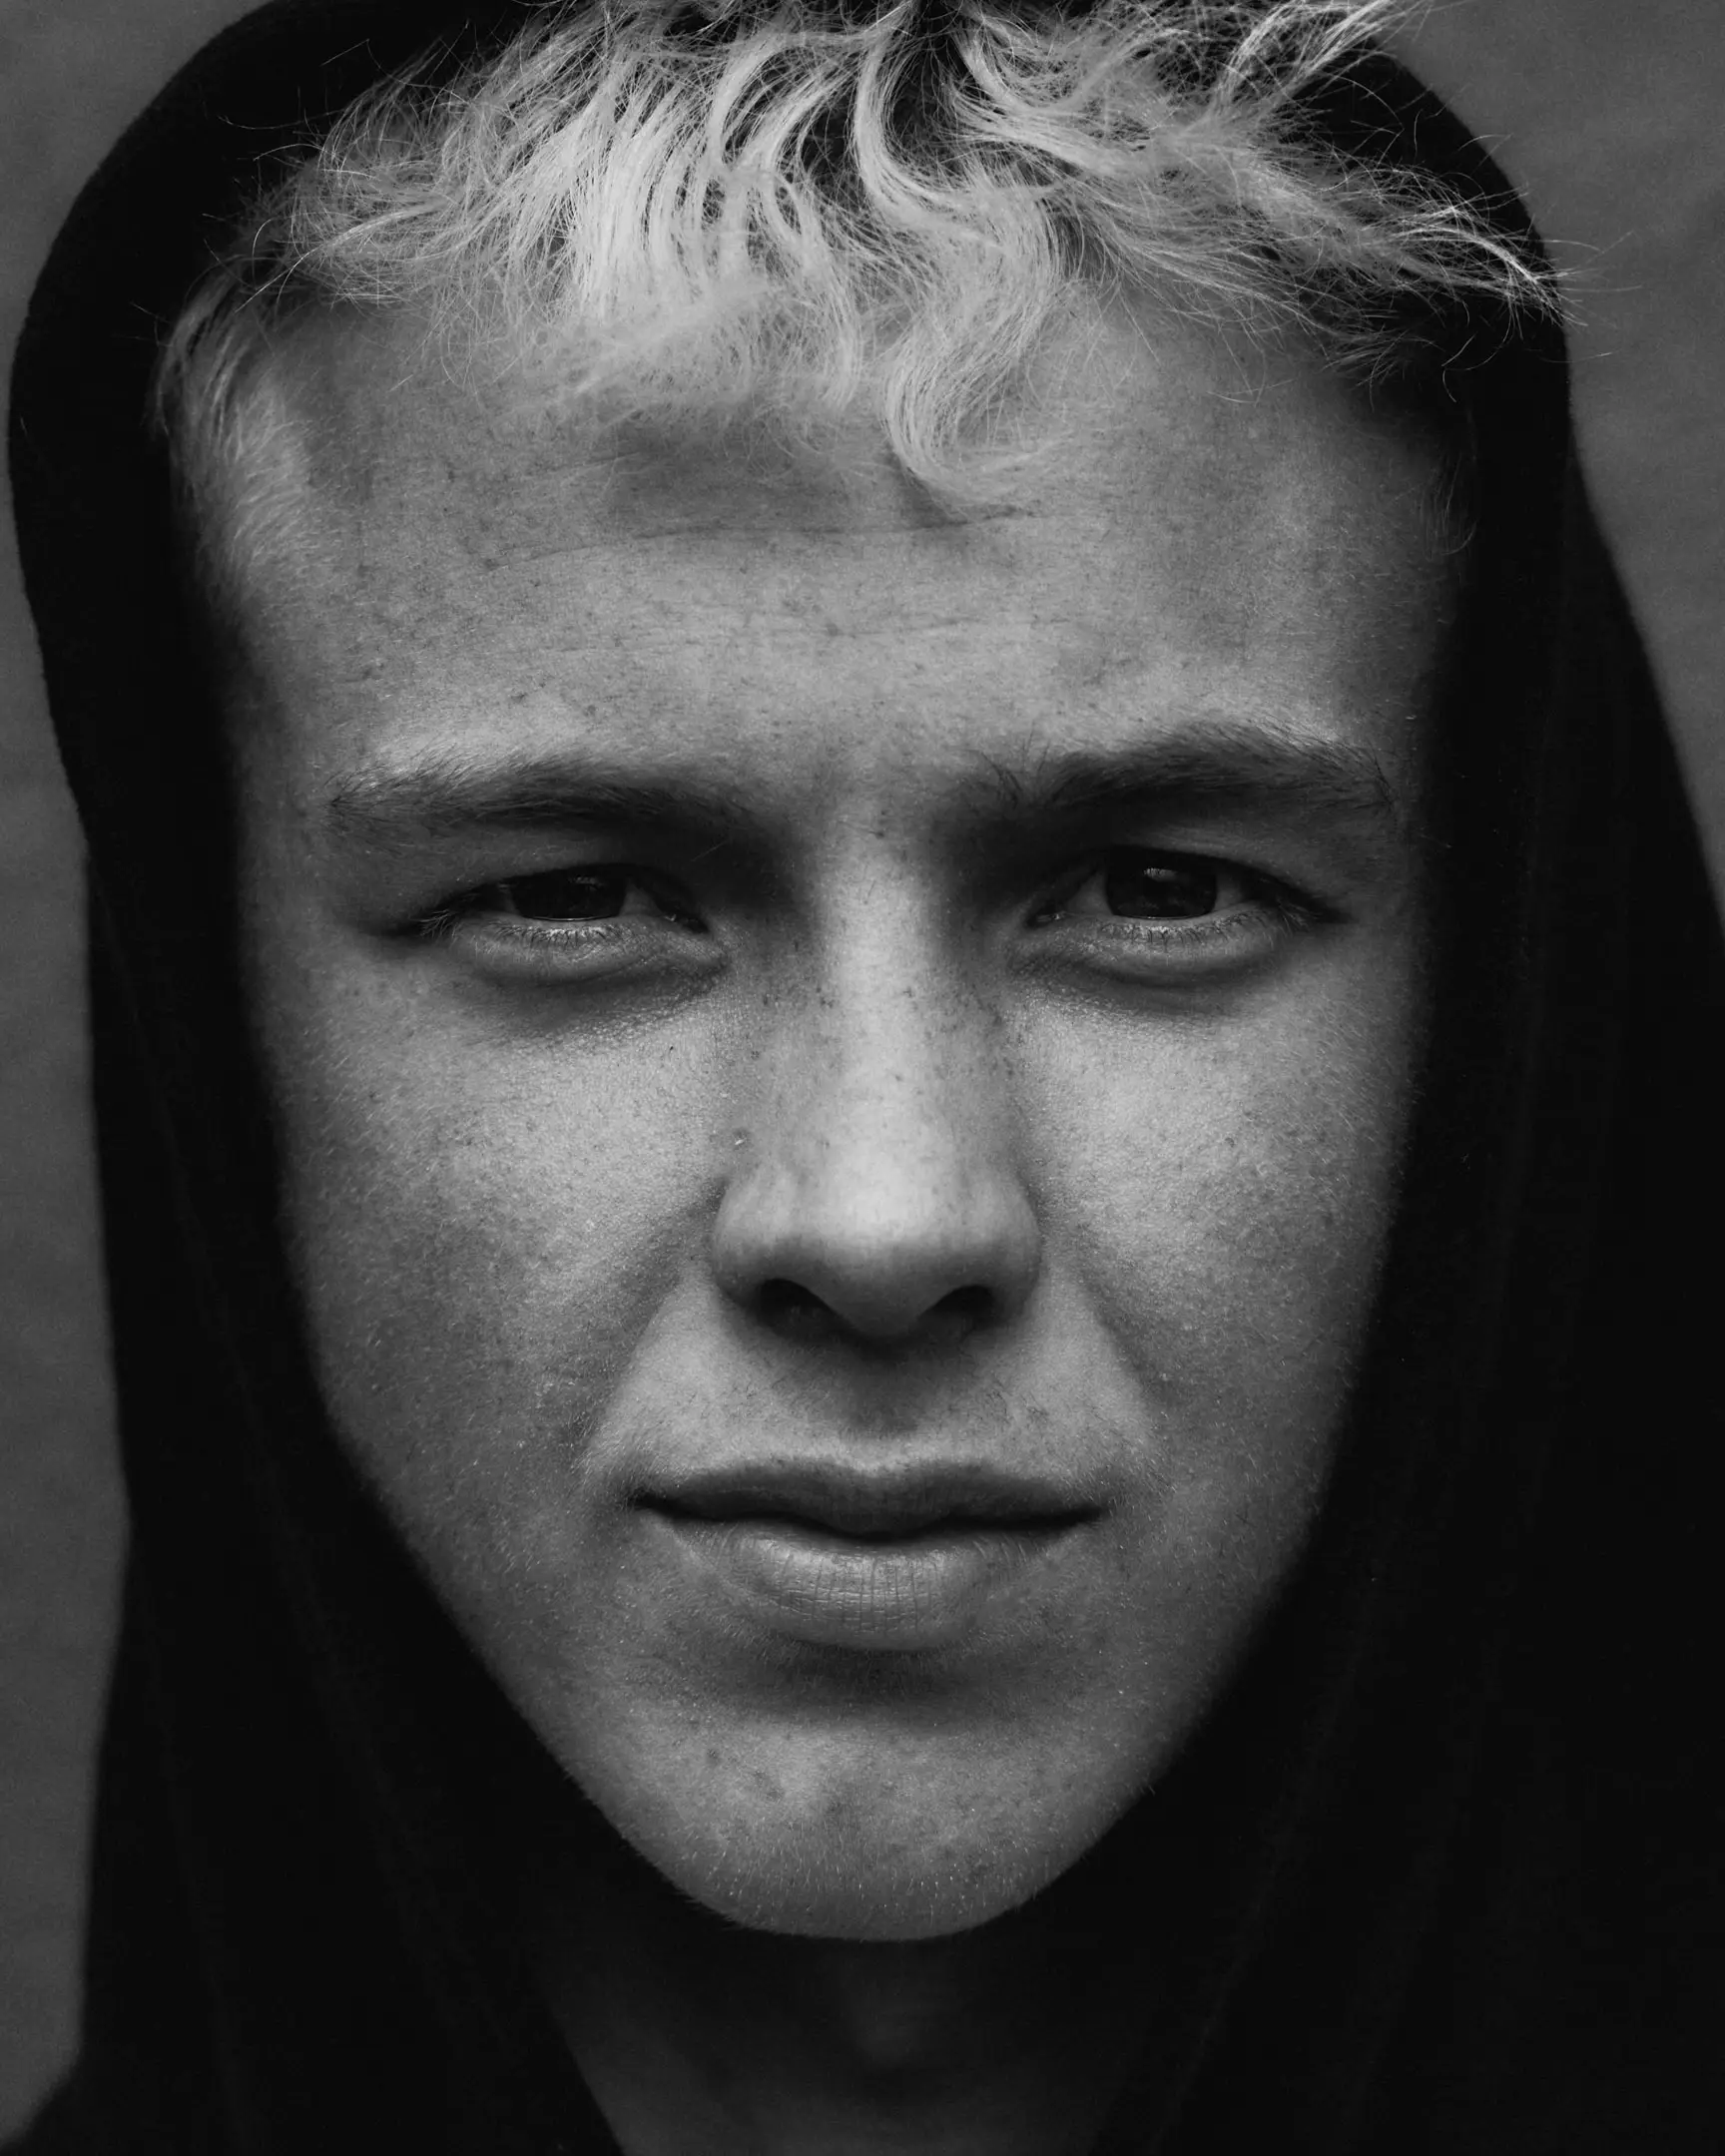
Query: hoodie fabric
{"points": [[1440, 1873]]}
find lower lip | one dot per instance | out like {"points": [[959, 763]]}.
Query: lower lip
{"points": [[896, 1595]]}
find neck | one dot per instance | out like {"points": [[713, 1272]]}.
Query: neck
{"points": [[1008, 2040]]}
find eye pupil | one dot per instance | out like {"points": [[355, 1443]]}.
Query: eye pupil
{"points": [[570, 894], [1160, 886]]}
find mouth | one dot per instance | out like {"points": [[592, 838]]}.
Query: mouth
{"points": [[874, 1505], [876, 1560]]}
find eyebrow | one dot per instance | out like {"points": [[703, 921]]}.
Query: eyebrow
{"points": [[447, 797], [1218, 763]]}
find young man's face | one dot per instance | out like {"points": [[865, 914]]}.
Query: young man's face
{"points": [[840, 1075]]}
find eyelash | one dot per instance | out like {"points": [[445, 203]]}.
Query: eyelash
{"points": [[1268, 909], [443, 920], [1272, 913]]}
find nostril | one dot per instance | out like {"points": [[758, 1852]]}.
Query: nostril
{"points": [[965, 1307], [783, 1302], [787, 1305]]}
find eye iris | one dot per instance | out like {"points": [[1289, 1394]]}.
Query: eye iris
{"points": [[1152, 887], [570, 894]]}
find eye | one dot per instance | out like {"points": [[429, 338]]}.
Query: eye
{"points": [[1148, 915], [577, 897], [571, 894], [1162, 887], [1146, 883], [595, 921]]}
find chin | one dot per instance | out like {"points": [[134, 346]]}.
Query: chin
{"points": [[855, 1866], [905, 1812], [861, 1894]]}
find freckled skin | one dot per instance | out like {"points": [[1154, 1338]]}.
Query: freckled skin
{"points": [[1039, 1215]]}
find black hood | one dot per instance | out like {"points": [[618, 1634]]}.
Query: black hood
{"points": [[1441, 1872]]}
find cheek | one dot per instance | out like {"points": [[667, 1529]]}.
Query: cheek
{"points": [[1222, 1194], [483, 1232]]}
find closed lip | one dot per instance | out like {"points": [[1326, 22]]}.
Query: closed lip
{"points": [[874, 1503]]}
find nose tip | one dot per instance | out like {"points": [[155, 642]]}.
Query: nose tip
{"points": [[885, 1253]]}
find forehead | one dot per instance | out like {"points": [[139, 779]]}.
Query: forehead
{"points": [[1187, 527]]}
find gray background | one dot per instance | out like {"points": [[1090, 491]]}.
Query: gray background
{"points": [[1606, 111]]}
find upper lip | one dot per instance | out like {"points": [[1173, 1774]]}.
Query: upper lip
{"points": [[875, 1500]]}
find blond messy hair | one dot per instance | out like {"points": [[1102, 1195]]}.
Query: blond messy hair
{"points": [[687, 211]]}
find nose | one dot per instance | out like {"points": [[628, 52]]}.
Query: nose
{"points": [[880, 1199]]}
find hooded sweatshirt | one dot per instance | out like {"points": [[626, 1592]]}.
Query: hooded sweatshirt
{"points": [[1441, 1871]]}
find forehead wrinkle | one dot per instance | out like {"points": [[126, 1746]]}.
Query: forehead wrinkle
{"points": [[337, 409]]}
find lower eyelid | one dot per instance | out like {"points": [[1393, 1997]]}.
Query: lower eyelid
{"points": [[1208, 943], [512, 952], [495, 903], [1202, 928], [524, 930], [471, 918], [543, 928]]}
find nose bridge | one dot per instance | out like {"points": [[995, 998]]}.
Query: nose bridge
{"points": [[880, 1179], [890, 1039]]}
